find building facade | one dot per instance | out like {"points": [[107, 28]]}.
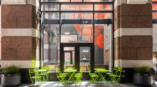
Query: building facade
{"points": [[79, 33]]}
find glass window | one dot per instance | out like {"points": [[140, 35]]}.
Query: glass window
{"points": [[102, 15], [102, 45], [69, 57], [76, 0], [103, 7], [154, 6], [77, 7], [85, 57], [154, 15], [49, 7], [55, 0], [50, 15], [98, 0], [77, 33], [77, 16], [51, 45]]}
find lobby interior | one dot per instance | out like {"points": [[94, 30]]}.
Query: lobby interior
{"points": [[85, 35]]}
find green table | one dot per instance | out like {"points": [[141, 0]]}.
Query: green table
{"points": [[71, 72], [100, 71], [40, 71]]}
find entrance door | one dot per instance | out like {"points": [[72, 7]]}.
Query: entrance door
{"points": [[77, 55]]}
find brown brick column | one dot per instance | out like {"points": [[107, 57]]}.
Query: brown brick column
{"points": [[20, 38], [133, 34]]}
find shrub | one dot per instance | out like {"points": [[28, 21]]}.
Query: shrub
{"points": [[11, 69], [143, 69]]}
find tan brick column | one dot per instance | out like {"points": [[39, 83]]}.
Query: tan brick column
{"points": [[133, 34], [20, 36]]}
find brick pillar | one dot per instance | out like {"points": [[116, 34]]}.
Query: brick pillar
{"points": [[133, 36], [20, 37]]}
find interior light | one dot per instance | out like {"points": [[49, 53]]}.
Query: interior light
{"points": [[66, 33]]}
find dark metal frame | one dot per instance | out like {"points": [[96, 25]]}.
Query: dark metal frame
{"points": [[71, 59], [77, 45], [77, 54]]}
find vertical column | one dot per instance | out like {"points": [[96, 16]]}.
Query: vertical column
{"points": [[20, 35], [133, 36]]}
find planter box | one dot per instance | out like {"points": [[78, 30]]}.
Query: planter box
{"points": [[142, 79], [10, 80]]}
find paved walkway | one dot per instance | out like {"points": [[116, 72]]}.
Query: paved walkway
{"points": [[84, 84]]}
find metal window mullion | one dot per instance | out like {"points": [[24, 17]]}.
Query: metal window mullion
{"points": [[77, 2], [93, 59], [78, 11]]}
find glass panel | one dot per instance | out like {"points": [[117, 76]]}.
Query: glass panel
{"points": [[77, 7], [102, 45], [69, 59], [102, 15], [85, 57], [154, 15], [76, 0], [154, 6], [98, 0], [103, 7], [51, 43], [77, 33], [46, 47], [49, 16], [49, 7], [55, 0], [77, 16]]}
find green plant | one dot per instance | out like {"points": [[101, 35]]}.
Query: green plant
{"points": [[143, 69], [11, 69]]}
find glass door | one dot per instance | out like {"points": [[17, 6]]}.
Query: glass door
{"points": [[69, 60], [85, 58]]}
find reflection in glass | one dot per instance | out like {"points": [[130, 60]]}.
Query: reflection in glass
{"points": [[102, 45], [154, 6], [51, 43], [77, 16], [85, 56], [103, 7], [102, 15], [77, 33], [76, 0], [49, 16], [49, 7], [55, 0], [69, 60], [77, 7], [98, 0], [154, 15]]}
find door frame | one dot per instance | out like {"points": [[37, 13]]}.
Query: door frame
{"points": [[77, 54], [71, 57]]}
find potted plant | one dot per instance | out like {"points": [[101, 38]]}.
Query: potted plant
{"points": [[11, 76], [142, 76]]}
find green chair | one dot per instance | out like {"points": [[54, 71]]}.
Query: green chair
{"points": [[93, 77], [116, 77], [78, 77], [112, 73], [45, 74], [36, 75], [61, 76]]}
